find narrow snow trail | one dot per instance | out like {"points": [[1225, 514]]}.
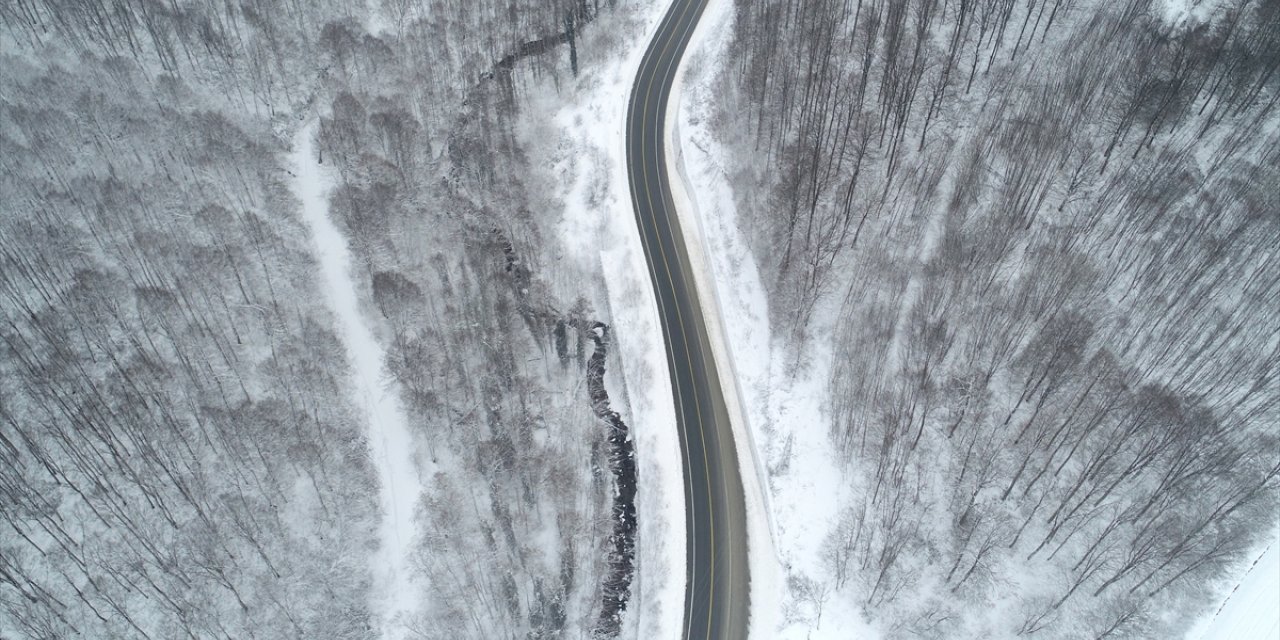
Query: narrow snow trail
{"points": [[395, 595]]}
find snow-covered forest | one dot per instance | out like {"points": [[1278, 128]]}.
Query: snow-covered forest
{"points": [[182, 454], [1036, 242], [312, 316]]}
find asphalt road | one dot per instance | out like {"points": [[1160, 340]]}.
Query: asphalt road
{"points": [[716, 601]]}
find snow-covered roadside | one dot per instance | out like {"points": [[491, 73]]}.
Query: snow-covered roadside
{"points": [[780, 413], [395, 594], [599, 233]]}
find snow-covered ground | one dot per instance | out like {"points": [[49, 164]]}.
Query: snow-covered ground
{"points": [[1251, 609], [585, 153], [1187, 14], [395, 594]]}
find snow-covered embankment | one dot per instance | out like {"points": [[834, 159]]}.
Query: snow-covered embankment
{"points": [[395, 595]]}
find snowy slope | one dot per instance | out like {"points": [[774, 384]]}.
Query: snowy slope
{"points": [[1251, 611]]}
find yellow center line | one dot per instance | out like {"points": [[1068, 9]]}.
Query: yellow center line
{"points": [[663, 317], [729, 607], [688, 364], [679, 315], [697, 406]]}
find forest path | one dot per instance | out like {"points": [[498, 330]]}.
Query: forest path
{"points": [[395, 594]]}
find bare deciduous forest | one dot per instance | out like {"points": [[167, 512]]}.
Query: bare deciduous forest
{"points": [[178, 454], [1038, 236], [1041, 235]]}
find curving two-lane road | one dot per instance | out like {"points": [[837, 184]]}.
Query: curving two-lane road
{"points": [[716, 600]]}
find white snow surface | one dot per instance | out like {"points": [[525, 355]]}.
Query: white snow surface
{"points": [[1183, 14], [395, 594], [1251, 610], [598, 231]]}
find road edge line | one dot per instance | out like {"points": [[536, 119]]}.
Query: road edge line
{"points": [[763, 560]]}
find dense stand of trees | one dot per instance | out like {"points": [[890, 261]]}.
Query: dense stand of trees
{"points": [[516, 526], [177, 453], [492, 362], [1044, 234], [255, 56], [177, 458]]}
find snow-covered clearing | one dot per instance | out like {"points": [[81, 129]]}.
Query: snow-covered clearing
{"points": [[395, 594], [585, 153], [1187, 14]]}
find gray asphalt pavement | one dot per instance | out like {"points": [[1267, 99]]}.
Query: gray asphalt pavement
{"points": [[716, 601]]}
